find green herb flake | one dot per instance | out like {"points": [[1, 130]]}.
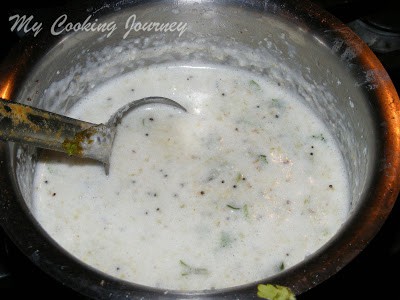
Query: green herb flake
{"points": [[282, 266], [254, 85], [184, 264], [326, 232], [189, 270], [71, 147], [246, 211], [233, 207], [74, 146], [276, 103], [263, 158], [225, 240], [274, 292], [319, 137], [239, 177]]}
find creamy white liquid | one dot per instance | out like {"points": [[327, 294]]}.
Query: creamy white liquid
{"points": [[245, 184]]}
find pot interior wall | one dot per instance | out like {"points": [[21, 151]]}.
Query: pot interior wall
{"points": [[271, 43]]}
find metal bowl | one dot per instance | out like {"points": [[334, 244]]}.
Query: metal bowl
{"points": [[349, 90]]}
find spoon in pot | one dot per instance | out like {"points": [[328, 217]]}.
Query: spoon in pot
{"points": [[40, 128]]}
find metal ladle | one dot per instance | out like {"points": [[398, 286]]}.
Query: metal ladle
{"points": [[29, 125]]}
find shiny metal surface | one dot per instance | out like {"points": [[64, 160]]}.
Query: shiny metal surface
{"points": [[28, 125], [351, 93]]}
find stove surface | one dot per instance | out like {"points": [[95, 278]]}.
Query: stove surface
{"points": [[371, 275]]}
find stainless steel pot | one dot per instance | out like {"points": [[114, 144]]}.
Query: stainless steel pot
{"points": [[349, 90]]}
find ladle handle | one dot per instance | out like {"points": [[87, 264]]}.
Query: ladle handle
{"points": [[43, 129]]}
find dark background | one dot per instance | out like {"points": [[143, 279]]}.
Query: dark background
{"points": [[371, 275]]}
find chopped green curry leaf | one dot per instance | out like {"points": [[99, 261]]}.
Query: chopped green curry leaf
{"points": [[274, 292], [232, 207], [226, 239], [276, 103], [319, 137], [282, 266], [246, 211], [239, 177], [263, 158], [189, 270], [254, 85]]}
